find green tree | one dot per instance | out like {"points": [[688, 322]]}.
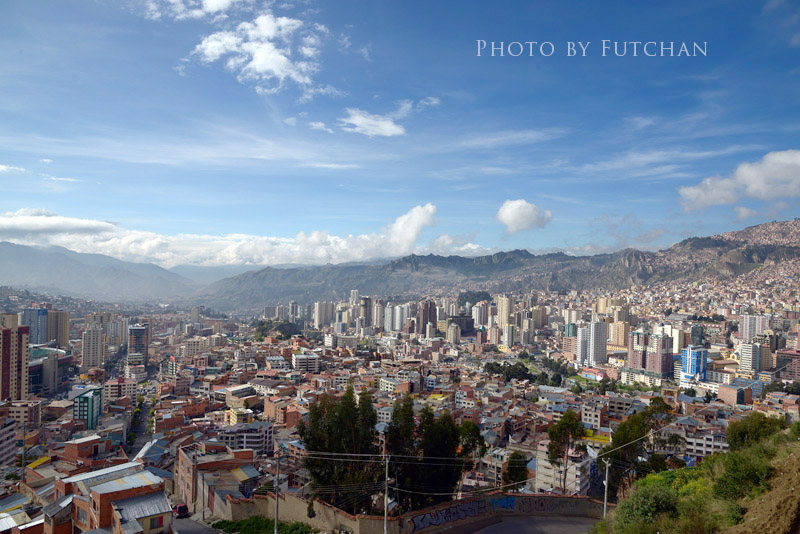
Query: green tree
{"points": [[564, 437], [428, 465], [472, 443], [643, 507], [752, 429], [342, 427], [517, 471], [631, 441]]}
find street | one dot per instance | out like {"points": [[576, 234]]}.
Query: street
{"points": [[540, 525], [189, 526]]}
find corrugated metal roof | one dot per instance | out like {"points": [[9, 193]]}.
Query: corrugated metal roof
{"points": [[102, 472], [245, 472], [12, 502], [39, 461], [143, 506], [138, 480]]}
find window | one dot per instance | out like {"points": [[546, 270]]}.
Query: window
{"points": [[156, 522], [82, 517]]}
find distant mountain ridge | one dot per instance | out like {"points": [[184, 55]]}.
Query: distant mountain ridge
{"points": [[91, 276], [719, 256], [96, 276]]}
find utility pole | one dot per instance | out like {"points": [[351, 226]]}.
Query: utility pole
{"points": [[386, 499], [276, 484], [203, 489], [605, 496]]}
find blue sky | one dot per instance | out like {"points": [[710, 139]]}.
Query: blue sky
{"points": [[243, 131]]}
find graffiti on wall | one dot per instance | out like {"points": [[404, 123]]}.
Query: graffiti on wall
{"points": [[501, 504], [453, 513]]}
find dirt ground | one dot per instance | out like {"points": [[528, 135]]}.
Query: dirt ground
{"points": [[778, 510]]}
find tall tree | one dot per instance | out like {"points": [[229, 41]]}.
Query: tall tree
{"points": [[342, 427], [632, 440], [517, 471], [564, 439], [424, 457]]}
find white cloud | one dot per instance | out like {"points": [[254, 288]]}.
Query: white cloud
{"points": [[332, 166], [519, 215], [10, 168], [319, 126], [512, 138], [268, 52], [776, 175], [45, 160], [42, 227], [291, 121], [360, 121], [638, 123], [188, 9], [744, 213]]}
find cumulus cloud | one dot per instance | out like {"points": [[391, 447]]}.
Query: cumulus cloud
{"points": [[359, 121], [10, 168], [334, 166], [776, 175], [43, 227], [520, 214], [371, 125], [188, 9], [743, 212], [319, 126], [261, 51]]}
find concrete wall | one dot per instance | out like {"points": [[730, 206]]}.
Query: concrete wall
{"points": [[432, 520], [460, 513]]}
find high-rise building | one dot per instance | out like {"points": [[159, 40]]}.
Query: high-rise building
{"points": [[323, 314], [354, 298], [13, 359], [637, 350], [427, 313], [597, 341], [504, 306], [582, 352], [388, 318], [620, 331], [479, 313], [58, 327], [752, 325], [88, 406], [693, 365], [509, 334], [659, 355], [36, 321], [93, 347], [365, 310], [378, 313], [787, 363], [571, 315], [750, 357], [453, 334], [539, 316], [698, 335], [401, 315], [138, 340]]}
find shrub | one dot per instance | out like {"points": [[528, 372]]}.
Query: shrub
{"points": [[743, 472], [643, 507]]}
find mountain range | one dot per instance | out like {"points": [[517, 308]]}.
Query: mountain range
{"points": [[55, 269]]}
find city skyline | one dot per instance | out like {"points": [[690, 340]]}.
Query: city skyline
{"points": [[247, 132]]}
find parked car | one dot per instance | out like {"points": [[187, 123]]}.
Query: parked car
{"points": [[180, 511]]}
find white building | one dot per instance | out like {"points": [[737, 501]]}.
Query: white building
{"points": [[307, 363], [93, 347]]}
